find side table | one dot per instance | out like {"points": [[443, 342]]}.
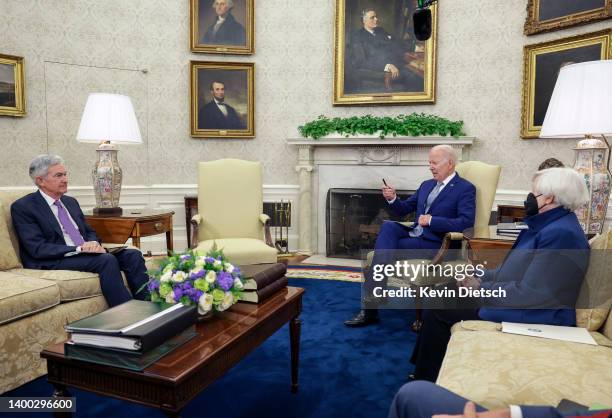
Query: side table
{"points": [[133, 224]]}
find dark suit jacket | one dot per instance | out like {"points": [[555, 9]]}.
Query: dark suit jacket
{"points": [[41, 241], [544, 270], [230, 33], [210, 117], [454, 210]]}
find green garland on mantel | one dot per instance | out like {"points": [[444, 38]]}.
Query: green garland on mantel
{"points": [[415, 124]]}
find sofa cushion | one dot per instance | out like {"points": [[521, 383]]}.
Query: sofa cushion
{"points": [[8, 257], [72, 284], [6, 200], [496, 369], [596, 290], [21, 296], [241, 251]]}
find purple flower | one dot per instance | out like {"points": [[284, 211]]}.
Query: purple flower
{"points": [[209, 260], [153, 286], [185, 257], [178, 293], [225, 280], [197, 275]]}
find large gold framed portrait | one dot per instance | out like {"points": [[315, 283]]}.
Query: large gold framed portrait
{"points": [[222, 99], [549, 15], [12, 86], [222, 26], [541, 65], [377, 58]]}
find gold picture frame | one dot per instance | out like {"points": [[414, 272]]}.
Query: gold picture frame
{"points": [[356, 81], [222, 99], [234, 36], [549, 15], [541, 65], [12, 86]]}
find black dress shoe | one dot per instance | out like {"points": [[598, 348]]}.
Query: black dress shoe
{"points": [[363, 318]]}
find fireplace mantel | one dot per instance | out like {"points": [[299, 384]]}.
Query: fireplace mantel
{"points": [[358, 161]]}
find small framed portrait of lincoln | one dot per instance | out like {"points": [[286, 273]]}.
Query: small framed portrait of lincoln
{"points": [[222, 99], [12, 86], [377, 57], [541, 65], [222, 26]]}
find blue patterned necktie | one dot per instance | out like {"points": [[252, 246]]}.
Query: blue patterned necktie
{"points": [[418, 230], [67, 225]]}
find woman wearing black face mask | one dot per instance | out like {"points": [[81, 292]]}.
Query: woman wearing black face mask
{"points": [[541, 276]]}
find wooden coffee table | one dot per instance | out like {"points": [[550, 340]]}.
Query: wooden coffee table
{"points": [[170, 383]]}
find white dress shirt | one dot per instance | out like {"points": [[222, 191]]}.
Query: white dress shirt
{"points": [[51, 202]]}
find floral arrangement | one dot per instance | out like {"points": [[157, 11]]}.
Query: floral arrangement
{"points": [[415, 124], [208, 281]]}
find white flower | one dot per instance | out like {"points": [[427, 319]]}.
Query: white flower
{"points": [[200, 262], [170, 297], [228, 267], [238, 284], [205, 303], [228, 300], [218, 263], [166, 276], [179, 276], [211, 276]]}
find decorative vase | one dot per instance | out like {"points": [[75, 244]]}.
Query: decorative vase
{"points": [[107, 177], [592, 163]]}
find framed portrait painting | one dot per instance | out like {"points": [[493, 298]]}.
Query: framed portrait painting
{"points": [[548, 15], [222, 26], [12, 86], [377, 58], [222, 100], [541, 65]]}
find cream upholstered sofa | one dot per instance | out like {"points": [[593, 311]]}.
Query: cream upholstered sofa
{"points": [[496, 369], [35, 305]]}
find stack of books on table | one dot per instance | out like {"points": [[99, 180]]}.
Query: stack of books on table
{"points": [[511, 228], [132, 335], [262, 281]]}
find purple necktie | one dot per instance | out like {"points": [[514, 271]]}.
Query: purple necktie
{"points": [[68, 226]]}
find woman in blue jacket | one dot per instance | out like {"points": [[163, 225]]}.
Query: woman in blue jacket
{"points": [[541, 276]]}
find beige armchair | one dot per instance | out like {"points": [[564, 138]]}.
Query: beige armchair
{"points": [[230, 205]]}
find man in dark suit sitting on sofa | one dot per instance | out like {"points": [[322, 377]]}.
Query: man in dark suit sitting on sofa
{"points": [[446, 203], [53, 235]]}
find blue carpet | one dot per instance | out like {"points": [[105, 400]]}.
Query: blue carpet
{"points": [[343, 371]]}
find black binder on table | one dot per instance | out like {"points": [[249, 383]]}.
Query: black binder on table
{"points": [[134, 325], [126, 359]]}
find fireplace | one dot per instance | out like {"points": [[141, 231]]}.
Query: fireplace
{"points": [[353, 219], [354, 163]]}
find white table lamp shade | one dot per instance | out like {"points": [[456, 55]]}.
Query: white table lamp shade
{"points": [[581, 103], [109, 117]]}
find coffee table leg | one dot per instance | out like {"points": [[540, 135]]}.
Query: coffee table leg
{"points": [[295, 327], [60, 391]]}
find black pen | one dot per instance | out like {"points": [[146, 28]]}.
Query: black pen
{"points": [[385, 183]]}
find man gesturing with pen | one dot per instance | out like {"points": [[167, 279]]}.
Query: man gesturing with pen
{"points": [[446, 203]]}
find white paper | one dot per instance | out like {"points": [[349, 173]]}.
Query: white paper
{"points": [[553, 332]]}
